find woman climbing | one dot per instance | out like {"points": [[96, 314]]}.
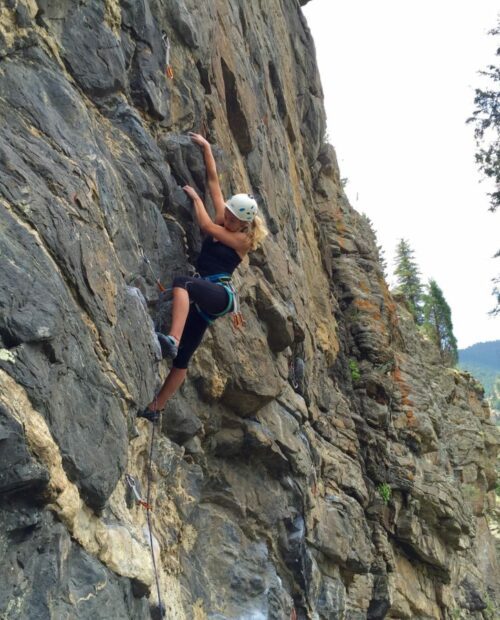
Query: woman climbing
{"points": [[197, 302]]}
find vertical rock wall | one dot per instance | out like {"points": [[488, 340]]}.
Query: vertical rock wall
{"points": [[320, 464]]}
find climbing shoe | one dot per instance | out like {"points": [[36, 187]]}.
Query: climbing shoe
{"points": [[169, 345], [148, 414]]}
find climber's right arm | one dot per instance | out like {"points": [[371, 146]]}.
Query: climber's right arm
{"points": [[212, 177]]}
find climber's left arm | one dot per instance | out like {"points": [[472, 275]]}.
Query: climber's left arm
{"points": [[202, 216]]}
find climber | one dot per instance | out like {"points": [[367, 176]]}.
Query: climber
{"points": [[198, 301]]}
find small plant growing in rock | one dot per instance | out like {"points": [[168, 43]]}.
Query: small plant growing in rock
{"points": [[354, 368], [490, 611], [385, 492]]}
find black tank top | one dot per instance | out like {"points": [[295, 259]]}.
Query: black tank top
{"points": [[216, 257]]}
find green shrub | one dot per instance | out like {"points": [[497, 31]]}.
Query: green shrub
{"points": [[354, 368], [490, 611], [385, 492]]}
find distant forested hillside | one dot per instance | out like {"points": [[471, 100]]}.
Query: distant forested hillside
{"points": [[482, 354], [483, 361]]}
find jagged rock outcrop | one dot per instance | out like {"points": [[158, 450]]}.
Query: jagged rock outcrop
{"points": [[320, 464]]}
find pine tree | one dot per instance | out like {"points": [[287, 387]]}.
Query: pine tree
{"points": [[438, 325], [408, 278], [382, 260], [496, 292], [486, 120], [379, 249]]}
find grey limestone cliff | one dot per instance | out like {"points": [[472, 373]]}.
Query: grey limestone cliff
{"points": [[319, 464]]}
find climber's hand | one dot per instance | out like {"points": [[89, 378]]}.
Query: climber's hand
{"points": [[199, 139], [190, 192]]}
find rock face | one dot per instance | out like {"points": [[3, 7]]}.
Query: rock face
{"points": [[320, 464]]}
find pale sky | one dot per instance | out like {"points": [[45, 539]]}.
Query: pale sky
{"points": [[399, 79]]}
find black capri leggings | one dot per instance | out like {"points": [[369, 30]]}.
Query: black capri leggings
{"points": [[211, 298]]}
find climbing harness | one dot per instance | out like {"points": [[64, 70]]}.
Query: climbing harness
{"points": [[223, 279], [169, 72]]}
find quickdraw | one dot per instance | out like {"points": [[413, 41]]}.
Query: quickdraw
{"points": [[160, 286], [133, 487], [169, 72], [236, 316]]}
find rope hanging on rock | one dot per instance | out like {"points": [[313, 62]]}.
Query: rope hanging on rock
{"points": [[148, 517], [169, 72], [148, 506]]}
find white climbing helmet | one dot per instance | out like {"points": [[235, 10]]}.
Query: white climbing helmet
{"points": [[243, 206]]}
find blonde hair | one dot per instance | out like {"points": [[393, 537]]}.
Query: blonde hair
{"points": [[257, 232]]}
